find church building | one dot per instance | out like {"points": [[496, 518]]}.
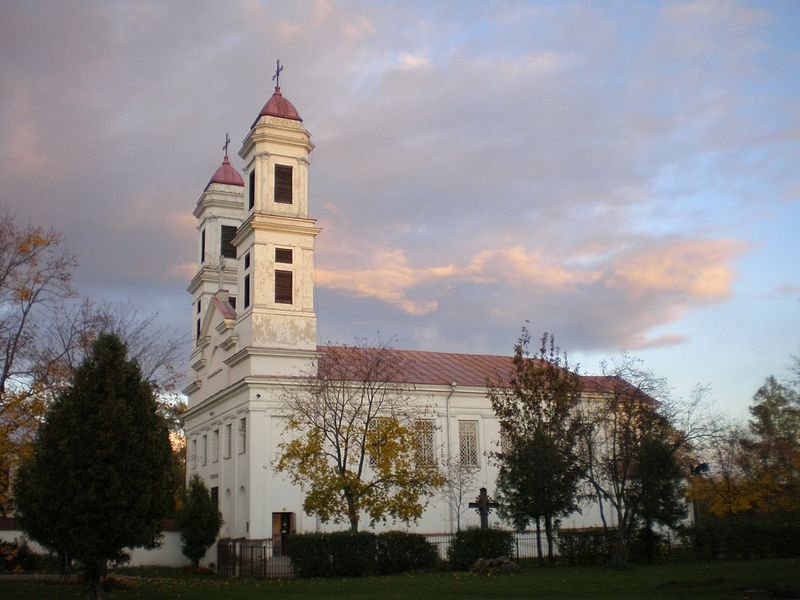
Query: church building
{"points": [[255, 328]]}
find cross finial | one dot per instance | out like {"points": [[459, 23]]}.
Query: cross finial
{"points": [[226, 144], [277, 77]]}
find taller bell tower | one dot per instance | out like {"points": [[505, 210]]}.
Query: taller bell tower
{"points": [[275, 242]]}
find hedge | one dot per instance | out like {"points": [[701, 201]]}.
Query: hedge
{"points": [[471, 544], [347, 554], [586, 546], [747, 538], [399, 552]]}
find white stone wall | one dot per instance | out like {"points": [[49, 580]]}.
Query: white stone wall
{"points": [[168, 554]]}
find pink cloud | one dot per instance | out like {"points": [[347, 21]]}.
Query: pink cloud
{"points": [[697, 269]]}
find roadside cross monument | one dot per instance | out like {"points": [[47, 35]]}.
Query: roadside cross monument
{"points": [[483, 505]]}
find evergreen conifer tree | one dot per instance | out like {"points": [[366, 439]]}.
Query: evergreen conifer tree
{"points": [[199, 521], [99, 480]]}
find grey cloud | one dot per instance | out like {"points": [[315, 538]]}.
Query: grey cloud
{"points": [[558, 129]]}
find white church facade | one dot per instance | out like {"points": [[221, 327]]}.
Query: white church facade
{"points": [[254, 330]]}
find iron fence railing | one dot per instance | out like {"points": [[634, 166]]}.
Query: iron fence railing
{"points": [[251, 558], [254, 558]]}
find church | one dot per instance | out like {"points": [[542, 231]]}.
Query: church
{"points": [[255, 328]]}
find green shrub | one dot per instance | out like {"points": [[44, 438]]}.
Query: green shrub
{"points": [[398, 552], [746, 538], [16, 559], [346, 554], [585, 546], [337, 554], [469, 545]]}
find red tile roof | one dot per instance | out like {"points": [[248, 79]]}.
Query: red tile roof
{"points": [[220, 300], [278, 106], [226, 174], [473, 370]]}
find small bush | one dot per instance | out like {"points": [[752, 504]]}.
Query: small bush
{"points": [[18, 558], [471, 544], [398, 552], [338, 554], [585, 546]]}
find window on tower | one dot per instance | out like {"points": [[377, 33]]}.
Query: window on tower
{"points": [[283, 184], [202, 246], [226, 248], [246, 284], [283, 287], [283, 255], [252, 189]]}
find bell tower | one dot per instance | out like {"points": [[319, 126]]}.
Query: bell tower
{"points": [[275, 242], [219, 213]]}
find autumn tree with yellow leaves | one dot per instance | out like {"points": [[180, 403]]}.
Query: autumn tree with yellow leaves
{"points": [[357, 442], [756, 471], [35, 273]]}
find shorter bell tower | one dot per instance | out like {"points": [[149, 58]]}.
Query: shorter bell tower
{"points": [[219, 212]]}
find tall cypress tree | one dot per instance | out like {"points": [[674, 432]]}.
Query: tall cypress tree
{"points": [[99, 480], [199, 521]]}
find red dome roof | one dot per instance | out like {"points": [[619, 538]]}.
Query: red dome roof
{"points": [[278, 106], [226, 175]]}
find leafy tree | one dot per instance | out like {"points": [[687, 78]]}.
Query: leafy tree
{"points": [[774, 448], [728, 486], [658, 490], [633, 445], [539, 427], [35, 272], [756, 471], [99, 480], [358, 439], [460, 482], [199, 521]]}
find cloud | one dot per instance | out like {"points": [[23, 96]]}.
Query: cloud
{"points": [[696, 269], [389, 278], [408, 61], [622, 298], [22, 153], [477, 165]]}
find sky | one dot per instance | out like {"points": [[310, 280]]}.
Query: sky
{"points": [[623, 175]]}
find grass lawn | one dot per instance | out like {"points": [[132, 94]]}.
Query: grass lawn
{"points": [[741, 579]]}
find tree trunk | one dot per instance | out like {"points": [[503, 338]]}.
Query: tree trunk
{"points": [[548, 528], [539, 539], [92, 570], [620, 542], [352, 513]]}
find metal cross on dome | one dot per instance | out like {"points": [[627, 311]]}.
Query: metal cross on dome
{"points": [[226, 144], [277, 77]]}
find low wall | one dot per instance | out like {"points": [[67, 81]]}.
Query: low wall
{"points": [[168, 554]]}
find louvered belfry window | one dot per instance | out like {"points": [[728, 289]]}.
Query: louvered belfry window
{"points": [[283, 255], [283, 287], [283, 184], [226, 248]]}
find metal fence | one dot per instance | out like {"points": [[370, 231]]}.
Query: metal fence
{"points": [[524, 544], [251, 558], [254, 558]]}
